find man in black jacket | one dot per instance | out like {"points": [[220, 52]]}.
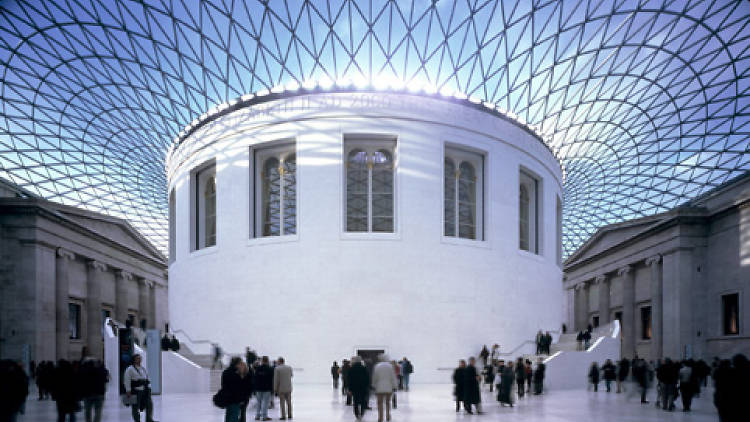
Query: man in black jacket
{"points": [[263, 387], [94, 378], [358, 383], [233, 390]]}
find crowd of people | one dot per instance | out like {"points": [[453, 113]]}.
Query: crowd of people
{"points": [[679, 379], [510, 380]]}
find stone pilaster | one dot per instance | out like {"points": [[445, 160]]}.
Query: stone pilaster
{"points": [[143, 302], [62, 274], [152, 291], [603, 282], [654, 264], [94, 271], [582, 306], [677, 309], [122, 280], [628, 310]]}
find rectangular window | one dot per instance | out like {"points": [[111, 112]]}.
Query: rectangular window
{"points": [[463, 194], [618, 317], [528, 212], [596, 321], [275, 190], [172, 222], [370, 184], [203, 186], [646, 323], [74, 320], [730, 305]]}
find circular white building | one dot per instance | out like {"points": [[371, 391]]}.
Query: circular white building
{"points": [[311, 225]]}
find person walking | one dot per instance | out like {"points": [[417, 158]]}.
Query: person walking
{"points": [[529, 371], [246, 377], [610, 374], [14, 388], [687, 388], [263, 386], [539, 377], [488, 373], [539, 340], [458, 383], [335, 371], [232, 390], [520, 377], [396, 372], [506, 386], [406, 369], [623, 369], [641, 376], [94, 379], [345, 367], [282, 387], [594, 376], [547, 342], [137, 383], [483, 355], [471, 392], [384, 383], [358, 381], [217, 357]]}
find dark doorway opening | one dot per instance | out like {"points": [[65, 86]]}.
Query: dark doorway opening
{"points": [[370, 355]]}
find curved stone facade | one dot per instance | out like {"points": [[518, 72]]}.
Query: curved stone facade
{"points": [[321, 293]]}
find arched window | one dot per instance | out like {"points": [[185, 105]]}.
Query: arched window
{"points": [[523, 217], [276, 187], [209, 200], [463, 194], [369, 186]]}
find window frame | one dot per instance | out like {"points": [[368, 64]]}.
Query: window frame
{"points": [[478, 159], [258, 155], [644, 329], [723, 321], [369, 143], [75, 304], [198, 178], [535, 182]]}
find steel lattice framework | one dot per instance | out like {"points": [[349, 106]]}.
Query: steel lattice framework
{"points": [[646, 103]]}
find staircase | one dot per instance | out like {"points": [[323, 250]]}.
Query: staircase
{"points": [[204, 361]]}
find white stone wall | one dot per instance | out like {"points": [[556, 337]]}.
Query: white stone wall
{"points": [[318, 296]]}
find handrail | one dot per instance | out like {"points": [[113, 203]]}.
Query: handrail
{"points": [[512, 352], [180, 331]]}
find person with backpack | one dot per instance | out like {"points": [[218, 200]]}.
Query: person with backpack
{"points": [[610, 374], [232, 392], [137, 384], [406, 369]]}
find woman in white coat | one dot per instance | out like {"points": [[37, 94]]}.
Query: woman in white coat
{"points": [[384, 383]]}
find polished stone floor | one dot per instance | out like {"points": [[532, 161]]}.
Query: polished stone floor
{"points": [[430, 402]]}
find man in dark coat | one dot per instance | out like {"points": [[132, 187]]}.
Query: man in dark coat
{"points": [[623, 369], [471, 388], [13, 390], [539, 377], [458, 383], [358, 383], [263, 386], [345, 367], [94, 377], [233, 389]]}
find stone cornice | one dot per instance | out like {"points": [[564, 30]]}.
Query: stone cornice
{"points": [[123, 275], [624, 270], [65, 254], [96, 265], [601, 279]]}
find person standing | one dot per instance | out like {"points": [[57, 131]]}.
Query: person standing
{"points": [[641, 376], [488, 374], [137, 383], [483, 355], [384, 383], [594, 376], [282, 387], [529, 371], [246, 376], [345, 367], [458, 383], [495, 354], [217, 357], [610, 374], [520, 376], [539, 342], [233, 390], [263, 385], [406, 369], [94, 379], [335, 371], [358, 380], [547, 342], [250, 356], [14, 388], [539, 377], [506, 386], [471, 392]]}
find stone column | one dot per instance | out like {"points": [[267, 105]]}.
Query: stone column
{"points": [[94, 269], [62, 335], [122, 279], [143, 303], [677, 310], [152, 305], [628, 310], [582, 306], [656, 306], [603, 282]]}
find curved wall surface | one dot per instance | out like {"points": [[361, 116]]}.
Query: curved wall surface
{"points": [[322, 293]]}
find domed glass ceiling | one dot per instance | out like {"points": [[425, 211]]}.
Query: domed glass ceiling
{"points": [[646, 103]]}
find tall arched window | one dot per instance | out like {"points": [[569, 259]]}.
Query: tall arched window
{"points": [[276, 188], [369, 186], [463, 194], [529, 206], [209, 198]]}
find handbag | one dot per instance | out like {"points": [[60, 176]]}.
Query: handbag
{"points": [[129, 401]]}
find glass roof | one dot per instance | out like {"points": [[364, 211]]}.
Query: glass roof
{"points": [[646, 103]]}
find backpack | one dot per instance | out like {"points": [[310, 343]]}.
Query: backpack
{"points": [[409, 368], [220, 399]]}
